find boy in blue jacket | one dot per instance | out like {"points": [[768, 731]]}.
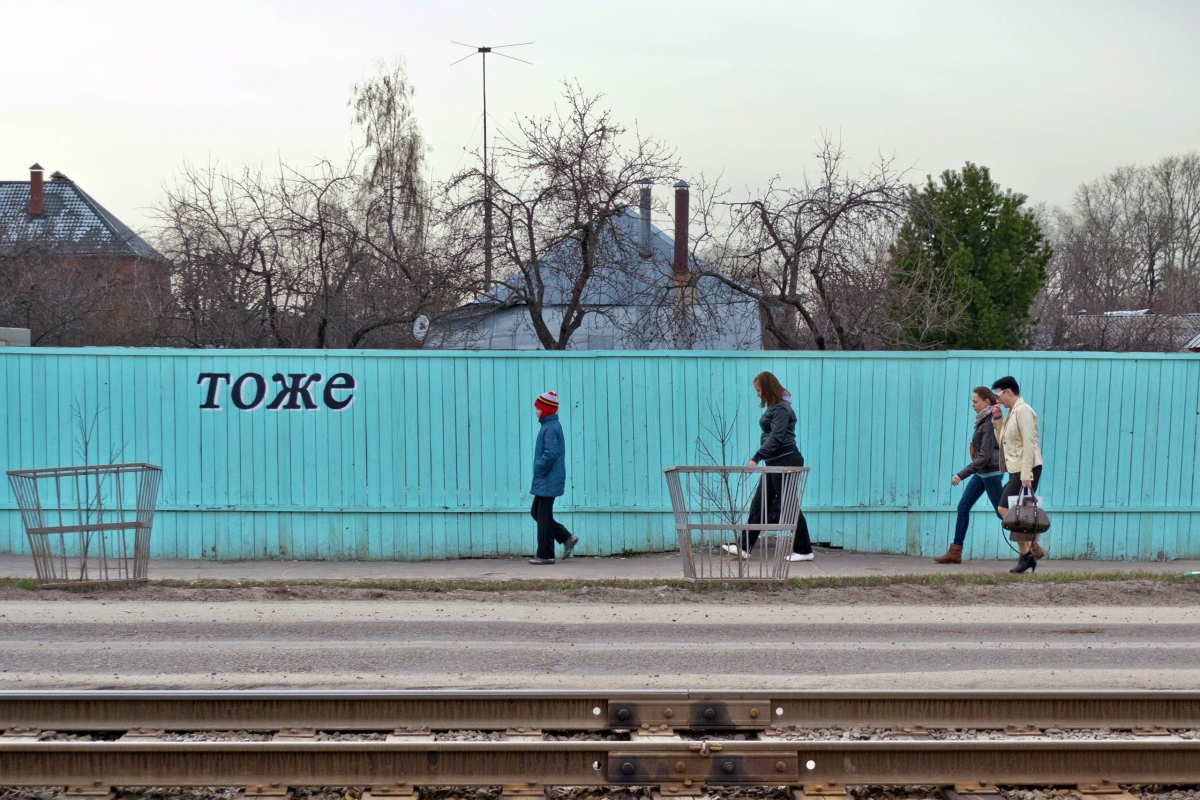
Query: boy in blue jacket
{"points": [[549, 481]]}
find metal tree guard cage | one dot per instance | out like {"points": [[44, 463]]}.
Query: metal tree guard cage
{"points": [[88, 525], [713, 508]]}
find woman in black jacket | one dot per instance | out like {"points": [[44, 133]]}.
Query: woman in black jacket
{"points": [[982, 474], [777, 448]]}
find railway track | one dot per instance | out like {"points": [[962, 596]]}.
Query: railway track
{"points": [[814, 743]]}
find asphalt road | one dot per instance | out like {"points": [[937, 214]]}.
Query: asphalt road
{"points": [[397, 644]]}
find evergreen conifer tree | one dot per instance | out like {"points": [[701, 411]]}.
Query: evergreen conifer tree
{"points": [[981, 245]]}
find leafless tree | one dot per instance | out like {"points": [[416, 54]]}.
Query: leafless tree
{"points": [[560, 185], [70, 288], [815, 257], [331, 256], [1130, 242]]}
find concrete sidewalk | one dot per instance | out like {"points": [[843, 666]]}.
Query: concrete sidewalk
{"points": [[829, 563]]}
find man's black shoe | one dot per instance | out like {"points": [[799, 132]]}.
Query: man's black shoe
{"points": [[541, 561], [569, 546]]}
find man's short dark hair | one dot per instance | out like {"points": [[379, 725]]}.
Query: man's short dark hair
{"points": [[1007, 382]]}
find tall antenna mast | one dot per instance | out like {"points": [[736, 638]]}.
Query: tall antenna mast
{"points": [[487, 179]]}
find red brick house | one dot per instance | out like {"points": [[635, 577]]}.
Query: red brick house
{"points": [[60, 248]]}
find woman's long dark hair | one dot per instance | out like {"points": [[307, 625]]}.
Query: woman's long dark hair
{"points": [[770, 388]]}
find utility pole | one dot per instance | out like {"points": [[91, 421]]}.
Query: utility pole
{"points": [[487, 185], [487, 177]]}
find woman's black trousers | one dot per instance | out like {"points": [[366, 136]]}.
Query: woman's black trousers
{"points": [[801, 543]]}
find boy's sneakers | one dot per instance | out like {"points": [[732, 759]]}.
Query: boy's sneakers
{"points": [[734, 550], [569, 546], [540, 561], [801, 557]]}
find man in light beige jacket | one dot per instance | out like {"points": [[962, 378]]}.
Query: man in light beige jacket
{"points": [[1020, 451]]}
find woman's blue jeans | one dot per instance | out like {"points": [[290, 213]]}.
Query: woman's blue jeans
{"points": [[975, 488]]}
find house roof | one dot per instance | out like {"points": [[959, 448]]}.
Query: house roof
{"points": [[71, 218], [629, 279], [1131, 331], [629, 302]]}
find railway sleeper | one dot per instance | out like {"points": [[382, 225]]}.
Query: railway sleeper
{"points": [[292, 734], [142, 734], [973, 791], [265, 791], [420, 734], [530, 790], [687, 790], [819, 791], [22, 733], [523, 734], [96, 790], [394, 791], [1103, 790], [655, 733]]}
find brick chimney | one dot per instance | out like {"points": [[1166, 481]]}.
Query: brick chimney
{"points": [[37, 195], [680, 264]]}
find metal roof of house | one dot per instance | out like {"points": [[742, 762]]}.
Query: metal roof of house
{"points": [[624, 276], [71, 219], [628, 302], [1130, 331]]}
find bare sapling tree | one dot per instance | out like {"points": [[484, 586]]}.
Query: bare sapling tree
{"points": [[559, 187], [815, 257], [717, 491], [330, 256], [95, 490]]}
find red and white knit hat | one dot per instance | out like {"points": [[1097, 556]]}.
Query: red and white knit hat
{"points": [[547, 402]]}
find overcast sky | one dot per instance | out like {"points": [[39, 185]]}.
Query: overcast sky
{"points": [[1048, 94]]}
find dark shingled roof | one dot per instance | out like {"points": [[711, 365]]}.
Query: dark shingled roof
{"points": [[71, 219]]}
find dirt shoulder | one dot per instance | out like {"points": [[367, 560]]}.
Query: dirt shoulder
{"points": [[1062, 589]]}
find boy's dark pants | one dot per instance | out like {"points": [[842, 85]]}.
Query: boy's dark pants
{"points": [[549, 530]]}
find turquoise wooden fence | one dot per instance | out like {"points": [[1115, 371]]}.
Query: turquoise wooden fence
{"points": [[430, 457]]}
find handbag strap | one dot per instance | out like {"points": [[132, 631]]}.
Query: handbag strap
{"points": [[1027, 494], [1015, 500]]}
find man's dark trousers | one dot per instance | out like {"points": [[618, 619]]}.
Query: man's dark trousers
{"points": [[549, 531]]}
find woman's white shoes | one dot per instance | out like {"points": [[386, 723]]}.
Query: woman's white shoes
{"points": [[734, 550]]}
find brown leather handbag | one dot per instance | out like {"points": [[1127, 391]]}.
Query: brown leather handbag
{"points": [[1026, 519]]}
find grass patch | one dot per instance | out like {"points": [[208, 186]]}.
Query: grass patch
{"points": [[945, 581], [18, 583]]}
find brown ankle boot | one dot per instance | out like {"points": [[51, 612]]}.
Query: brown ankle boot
{"points": [[1038, 552], [953, 555]]}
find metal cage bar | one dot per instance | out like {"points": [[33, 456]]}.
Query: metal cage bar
{"points": [[735, 523], [104, 515]]}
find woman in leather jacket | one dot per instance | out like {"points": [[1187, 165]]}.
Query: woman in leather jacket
{"points": [[982, 474], [777, 448]]}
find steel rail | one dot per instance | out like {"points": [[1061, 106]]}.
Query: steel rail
{"points": [[1170, 760], [583, 711]]}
